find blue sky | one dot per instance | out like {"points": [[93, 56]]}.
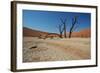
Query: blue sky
{"points": [[49, 20]]}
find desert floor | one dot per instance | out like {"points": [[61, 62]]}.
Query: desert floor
{"points": [[56, 49]]}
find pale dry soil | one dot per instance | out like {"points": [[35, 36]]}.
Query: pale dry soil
{"points": [[56, 49]]}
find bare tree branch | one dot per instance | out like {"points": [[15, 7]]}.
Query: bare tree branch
{"points": [[60, 28], [64, 26], [73, 26]]}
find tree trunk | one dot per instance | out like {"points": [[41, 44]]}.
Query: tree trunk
{"points": [[65, 30], [60, 34], [70, 33]]}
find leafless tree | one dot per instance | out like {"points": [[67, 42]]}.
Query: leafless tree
{"points": [[60, 28], [73, 26], [64, 26]]}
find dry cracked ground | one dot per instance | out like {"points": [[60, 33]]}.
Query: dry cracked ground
{"points": [[56, 49]]}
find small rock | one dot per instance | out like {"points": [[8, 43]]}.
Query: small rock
{"points": [[33, 47]]}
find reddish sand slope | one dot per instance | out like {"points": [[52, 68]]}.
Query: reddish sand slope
{"points": [[27, 32], [83, 33]]}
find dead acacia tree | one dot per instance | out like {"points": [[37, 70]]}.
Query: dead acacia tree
{"points": [[73, 26], [64, 26], [60, 28]]}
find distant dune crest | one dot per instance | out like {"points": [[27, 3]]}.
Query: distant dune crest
{"points": [[32, 33], [83, 33], [27, 32]]}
